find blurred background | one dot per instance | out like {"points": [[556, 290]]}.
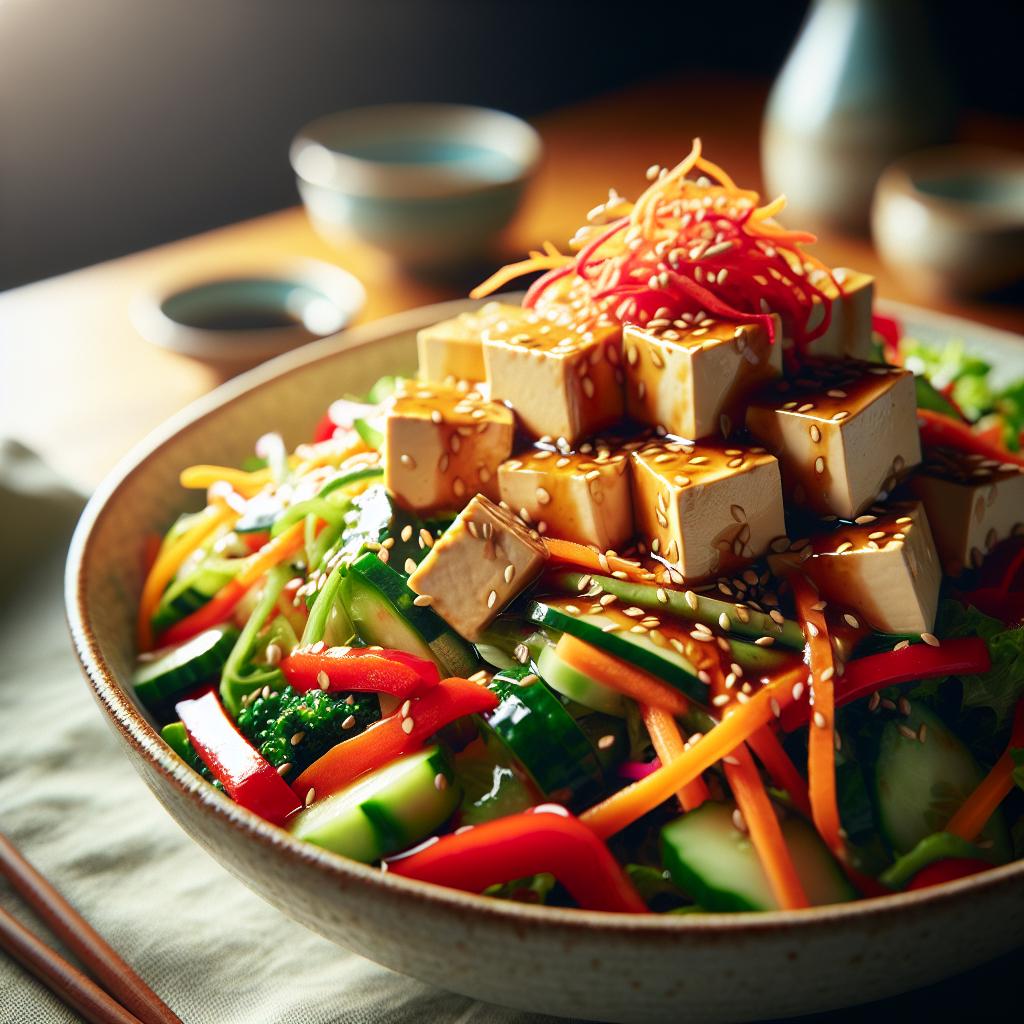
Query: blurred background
{"points": [[126, 124]]}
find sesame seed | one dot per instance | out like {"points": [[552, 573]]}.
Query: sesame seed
{"points": [[819, 720], [922, 732], [310, 797], [797, 691], [691, 599], [724, 621], [904, 706], [738, 821], [851, 620], [521, 653], [440, 782], [297, 738], [422, 600], [543, 496], [815, 432], [410, 565], [930, 639], [721, 700], [529, 680], [284, 769], [906, 732], [765, 641], [408, 725], [775, 706], [323, 680], [406, 532], [819, 464], [874, 700], [605, 742], [272, 654], [349, 722]]}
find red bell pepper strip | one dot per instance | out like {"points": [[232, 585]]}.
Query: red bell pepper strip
{"points": [[961, 656], [248, 778], [947, 871], [393, 736], [543, 839], [940, 430], [360, 669], [890, 332]]}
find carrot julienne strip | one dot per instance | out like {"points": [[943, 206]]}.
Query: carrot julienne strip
{"points": [[224, 602], [976, 810], [668, 745], [634, 801], [821, 741], [763, 825], [247, 484], [569, 552], [169, 561], [620, 675], [781, 770]]}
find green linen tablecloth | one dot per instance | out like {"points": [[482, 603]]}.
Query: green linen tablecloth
{"points": [[212, 949]]}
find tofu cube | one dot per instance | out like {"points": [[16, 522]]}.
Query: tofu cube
{"points": [[883, 567], [442, 445], [484, 560], [454, 350], [972, 502], [564, 381], [693, 380], [849, 333], [706, 509], [583, 496], [844, 433]]}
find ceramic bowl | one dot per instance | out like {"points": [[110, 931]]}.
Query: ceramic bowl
{"points": [[711, 967], [951, 220], [429, 183], [245, 318]]}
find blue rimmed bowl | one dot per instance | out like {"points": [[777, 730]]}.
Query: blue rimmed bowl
{"points": [[432, 184]]}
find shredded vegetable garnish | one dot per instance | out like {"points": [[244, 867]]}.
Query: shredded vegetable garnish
{"points": [[688, 249]]}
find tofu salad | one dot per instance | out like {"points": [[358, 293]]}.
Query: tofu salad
{"points": [[686, 584]]}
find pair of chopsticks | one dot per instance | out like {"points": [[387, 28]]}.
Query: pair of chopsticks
{"points": [[121, 997]]}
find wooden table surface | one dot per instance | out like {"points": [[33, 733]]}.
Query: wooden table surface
{"points": [[79, 384]]}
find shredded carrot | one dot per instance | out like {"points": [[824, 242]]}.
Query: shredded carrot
{"points": [[668, 745], [198, 478], [976, 810], [568, 552], [170, 560], [821, 741], [763, 825], [634, 801], [620, 675], [224, 602], [538, 261], [781, 770]]}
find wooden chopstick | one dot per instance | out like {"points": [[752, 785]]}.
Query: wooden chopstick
{"points": [[98, 958], [70, 985]]}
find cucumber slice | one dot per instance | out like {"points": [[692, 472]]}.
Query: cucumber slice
{"points": [[572, 683], [193, 590], [352, 476], [385, 811], [610, 633], [542, 736], [381, 608], [709, 858], [491, 786], [919, 786], [373, 518], [180, 668], [708, 610]]}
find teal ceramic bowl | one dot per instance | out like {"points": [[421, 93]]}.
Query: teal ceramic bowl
{"points": [[429, 183]]}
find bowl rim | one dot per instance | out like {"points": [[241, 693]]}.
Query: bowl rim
{"points": [[902, 179], [317, 162], [137, 731]]}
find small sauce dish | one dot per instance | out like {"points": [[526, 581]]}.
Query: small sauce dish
{"points": [[951, 220], [245, 318], [429, 183]]}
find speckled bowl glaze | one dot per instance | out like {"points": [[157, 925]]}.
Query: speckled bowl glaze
{"points": [[713, 967]]}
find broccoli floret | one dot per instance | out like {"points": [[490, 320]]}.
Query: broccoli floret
{"points": [[273, 722]]}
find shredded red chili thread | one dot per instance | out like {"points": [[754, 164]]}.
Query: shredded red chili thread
{"points": [[688, 249]]}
